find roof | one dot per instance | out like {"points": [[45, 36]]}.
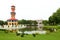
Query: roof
{"points": [[12, 19]]}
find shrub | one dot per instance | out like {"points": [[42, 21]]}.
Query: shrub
{"points": [[34, 35]]}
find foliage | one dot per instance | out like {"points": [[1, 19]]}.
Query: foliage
{"points": [[55, 18], [1, 22], [22, 21], [45, 22], [5, 22], [28, 22]]}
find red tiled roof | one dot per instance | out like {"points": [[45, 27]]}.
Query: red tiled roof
{"points": [[12, 19]]}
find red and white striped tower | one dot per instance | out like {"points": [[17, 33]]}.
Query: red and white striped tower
{"points": [[12, 21], [13, 12]]}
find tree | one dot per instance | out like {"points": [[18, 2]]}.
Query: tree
{"points": [[5, 22], [22, 21], [25, 21], [1, 22], [55, 18], [34, 23], [45, 22]]}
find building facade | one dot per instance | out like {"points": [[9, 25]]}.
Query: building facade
{"points": [[12, 21]]}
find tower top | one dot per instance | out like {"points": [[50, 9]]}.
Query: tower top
{"points": [[13, 8]]}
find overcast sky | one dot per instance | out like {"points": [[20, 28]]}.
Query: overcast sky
{"points": [[29, 9]]}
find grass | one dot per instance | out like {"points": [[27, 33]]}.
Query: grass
{"points": [[12, 36], [52, 27]]}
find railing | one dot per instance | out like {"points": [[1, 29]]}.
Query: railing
{"points": [[12, 27]]}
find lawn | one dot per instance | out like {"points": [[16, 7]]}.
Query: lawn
{"points": [[12, 36]]}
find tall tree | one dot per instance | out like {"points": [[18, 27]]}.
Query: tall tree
{"points": [[55, 18]]}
